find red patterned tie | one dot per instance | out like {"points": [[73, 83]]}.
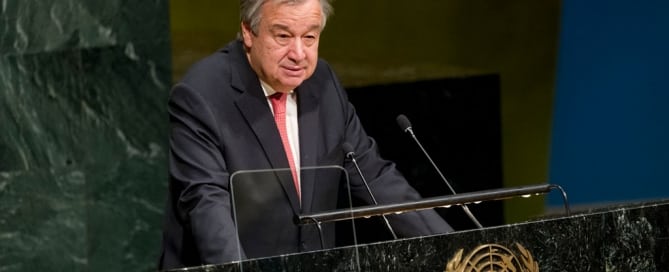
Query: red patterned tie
{"points": [[279, 106]]}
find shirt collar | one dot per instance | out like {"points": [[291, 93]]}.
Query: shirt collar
{"points": [[269, 90]]}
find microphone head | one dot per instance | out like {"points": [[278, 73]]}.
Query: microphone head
{"points": [[348, 149], [403, 122]]}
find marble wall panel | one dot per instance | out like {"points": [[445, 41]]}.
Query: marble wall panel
{"points": [[48, 25], [41, 188], [43, 226], [83, 125], [125, 201]]}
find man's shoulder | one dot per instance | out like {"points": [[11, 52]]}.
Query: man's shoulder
{"points": [[323, 72], [323, 67], [215, 67]]}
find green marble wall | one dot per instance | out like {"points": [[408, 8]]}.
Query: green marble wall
{"points": [[83, 86]]}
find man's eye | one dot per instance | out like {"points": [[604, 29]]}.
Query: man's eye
{"points": [[309, 39], [282, 38]]}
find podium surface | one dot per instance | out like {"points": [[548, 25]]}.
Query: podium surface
{"points": [[631, 237]]}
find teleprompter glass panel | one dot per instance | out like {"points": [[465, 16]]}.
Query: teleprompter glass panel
{"points": [[272, 220]]}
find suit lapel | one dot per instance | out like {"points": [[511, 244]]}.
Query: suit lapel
{"points": [[308, 112], [253, 105]]}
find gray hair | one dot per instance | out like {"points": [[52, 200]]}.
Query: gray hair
{"points": [[250, 11]]}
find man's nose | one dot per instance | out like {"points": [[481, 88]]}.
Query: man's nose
{"points": [[297, 48]]}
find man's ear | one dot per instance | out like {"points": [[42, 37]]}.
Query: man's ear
{"points": [[247, 34]]}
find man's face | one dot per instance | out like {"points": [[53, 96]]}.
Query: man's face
{"points": [[284, 52]]}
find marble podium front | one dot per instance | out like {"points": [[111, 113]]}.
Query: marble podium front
{"points": [[632, 237]]}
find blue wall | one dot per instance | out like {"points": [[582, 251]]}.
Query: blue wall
{"points": [[610, 139]]}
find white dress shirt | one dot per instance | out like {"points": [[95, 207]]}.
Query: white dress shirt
{"points": [[291, 124]]}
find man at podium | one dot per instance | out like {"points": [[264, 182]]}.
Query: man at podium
{"points": [[265, 101]]}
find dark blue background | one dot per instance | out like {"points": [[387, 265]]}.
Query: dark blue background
{"points": [[610, 139]]}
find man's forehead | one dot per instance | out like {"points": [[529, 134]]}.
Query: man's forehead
{"points": [[280, 26]]}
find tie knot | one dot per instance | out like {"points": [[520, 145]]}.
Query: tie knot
{"points": [[278, 102], [277, 96]]}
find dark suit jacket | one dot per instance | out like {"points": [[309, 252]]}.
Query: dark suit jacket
{"points": [[221, 123]]}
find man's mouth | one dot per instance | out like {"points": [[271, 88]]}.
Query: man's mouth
{"points": [[293, 70]]}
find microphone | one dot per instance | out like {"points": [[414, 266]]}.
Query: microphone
{"points": [[405, 125], [348, 150]]}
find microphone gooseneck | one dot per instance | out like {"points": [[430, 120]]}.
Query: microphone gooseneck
{"points": [[350, 154], [405, 125]]}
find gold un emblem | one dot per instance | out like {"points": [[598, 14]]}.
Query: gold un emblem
{"points": [[493, 258]]}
